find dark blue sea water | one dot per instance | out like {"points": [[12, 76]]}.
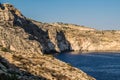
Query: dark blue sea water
{"points": [[102, 66]]}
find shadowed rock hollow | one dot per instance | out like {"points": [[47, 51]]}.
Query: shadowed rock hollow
{"points": [[24, 41]]}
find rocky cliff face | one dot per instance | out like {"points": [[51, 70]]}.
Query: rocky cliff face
{"points": [[13, 33], [23, 43], [66, 37], [22, 34], [56, 37]]}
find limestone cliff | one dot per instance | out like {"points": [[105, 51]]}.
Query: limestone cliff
{"points": [[23, 34], [67, 37], [23, 43]]}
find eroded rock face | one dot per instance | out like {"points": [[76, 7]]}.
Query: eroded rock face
{"points": [[79, 38], [12, 36], [10, 16]]}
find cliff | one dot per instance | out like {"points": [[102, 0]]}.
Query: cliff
{"points": [[25, 35], [23, 43]]}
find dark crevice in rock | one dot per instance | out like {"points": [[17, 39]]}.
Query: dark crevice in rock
{"points": [[61, 40], [2, 7]]}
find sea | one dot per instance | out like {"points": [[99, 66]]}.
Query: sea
{"points": [[100, 65]]}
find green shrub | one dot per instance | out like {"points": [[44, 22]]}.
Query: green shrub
{"points": [[8, 77], [69, 64], [1, 46], [5, 49]]}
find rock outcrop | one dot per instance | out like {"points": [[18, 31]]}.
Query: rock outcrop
{"points": [[12, 32], [23, 43]]}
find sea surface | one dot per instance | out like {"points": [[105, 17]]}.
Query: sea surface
{"points": [[100, 65]]}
